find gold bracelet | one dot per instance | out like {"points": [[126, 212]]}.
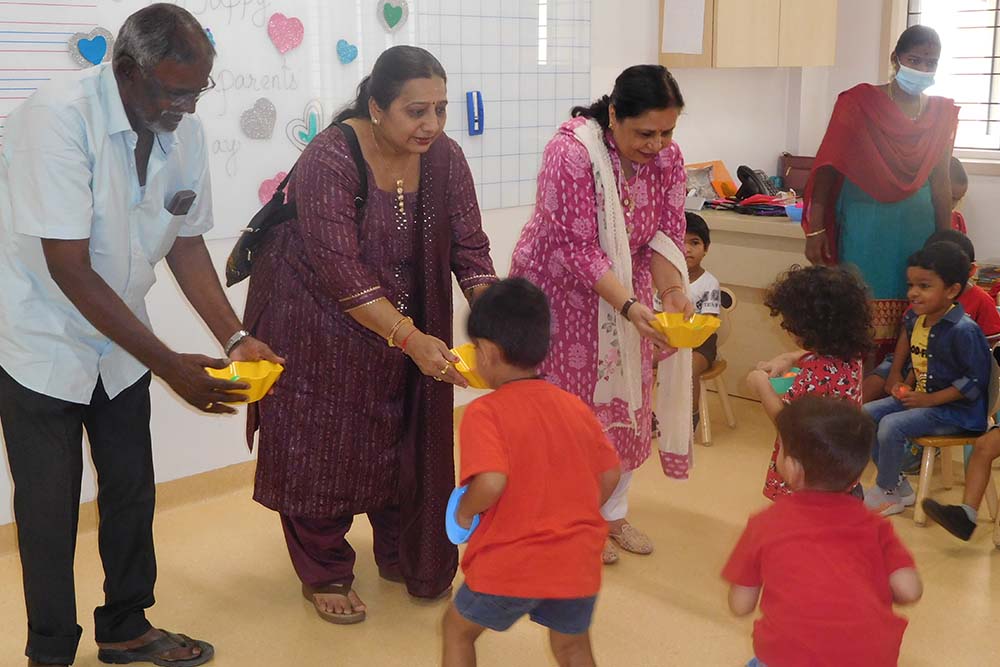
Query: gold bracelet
{"points": [[395, 327], [816, 233]]}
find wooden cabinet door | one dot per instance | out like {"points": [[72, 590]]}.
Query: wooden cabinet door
{"points": [[746, 33], [705, 58], [808, 33]]}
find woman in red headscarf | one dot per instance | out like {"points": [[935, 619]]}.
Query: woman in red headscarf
{"points": [[880, 184]]}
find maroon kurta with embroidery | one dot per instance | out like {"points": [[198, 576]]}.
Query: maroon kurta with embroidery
{"points": [[331, 435]]}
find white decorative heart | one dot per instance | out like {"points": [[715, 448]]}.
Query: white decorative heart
{"points": [[301, 131], [77, 55], [258, 121]]}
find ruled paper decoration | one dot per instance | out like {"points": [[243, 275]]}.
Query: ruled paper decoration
{"points": [[34, 36]]}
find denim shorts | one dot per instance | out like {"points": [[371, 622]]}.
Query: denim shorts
{"points": [[497, 612]]}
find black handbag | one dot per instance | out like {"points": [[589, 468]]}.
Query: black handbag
{"points": [[277, 211]]}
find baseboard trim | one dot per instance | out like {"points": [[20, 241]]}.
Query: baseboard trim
{"points": [[169, 495]]}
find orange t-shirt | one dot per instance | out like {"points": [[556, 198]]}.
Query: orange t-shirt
{"points": [[543, 537]]}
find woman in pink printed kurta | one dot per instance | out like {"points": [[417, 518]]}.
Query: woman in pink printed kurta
{"points": [[559, 251]]}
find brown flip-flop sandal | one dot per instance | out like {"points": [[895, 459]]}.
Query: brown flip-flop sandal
{"points": [[309, 593]]}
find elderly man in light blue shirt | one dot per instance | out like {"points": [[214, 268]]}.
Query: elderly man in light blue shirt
{"points": [[103, 175]]}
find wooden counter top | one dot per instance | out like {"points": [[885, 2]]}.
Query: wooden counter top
{"points": [[729, 221]]}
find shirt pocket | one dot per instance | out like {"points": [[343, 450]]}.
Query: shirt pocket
{"points": [[157, 236]]}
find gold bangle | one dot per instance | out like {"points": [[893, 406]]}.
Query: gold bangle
{"points": [[816, 233], [395, 327], [668, 290]]}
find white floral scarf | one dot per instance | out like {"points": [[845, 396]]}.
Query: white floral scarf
{"points": [[619, 357]]}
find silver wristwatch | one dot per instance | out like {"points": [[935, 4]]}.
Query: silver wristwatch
{"points": [[235, 340]]}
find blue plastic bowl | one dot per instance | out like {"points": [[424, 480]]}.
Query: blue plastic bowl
{"points": [[794, 212], [782, 385], [457, 534]]}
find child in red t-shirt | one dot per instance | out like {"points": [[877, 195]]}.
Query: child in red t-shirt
{"points": [[538, 468], [830, 569], [826, 311]]}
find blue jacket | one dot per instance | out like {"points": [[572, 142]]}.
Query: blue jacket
{"points": [[958, 356]]}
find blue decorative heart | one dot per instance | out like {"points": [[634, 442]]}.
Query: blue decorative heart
{"points": [[93, 49], [346, 51]]}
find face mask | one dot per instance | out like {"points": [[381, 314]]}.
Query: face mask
{"points": [[913, 81]]}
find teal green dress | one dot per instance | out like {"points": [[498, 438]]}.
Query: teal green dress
{"points": [[877, 238]]}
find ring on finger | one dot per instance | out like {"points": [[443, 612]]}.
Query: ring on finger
{"points": [[444, 371], [209, 406]]}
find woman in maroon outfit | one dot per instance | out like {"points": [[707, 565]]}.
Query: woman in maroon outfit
{"points": [[360, 304]]}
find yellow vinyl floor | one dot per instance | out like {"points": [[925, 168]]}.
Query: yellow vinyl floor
{"points": [[224, 576]]}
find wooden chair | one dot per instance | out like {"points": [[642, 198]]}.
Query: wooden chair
{"points": [[945, 443], [715, 373]]}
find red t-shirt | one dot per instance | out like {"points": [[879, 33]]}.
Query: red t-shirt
{"points": [[824, 561], [958, 222], [981, 307], [543, 537]]}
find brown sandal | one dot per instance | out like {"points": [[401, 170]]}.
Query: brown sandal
{"points": [[309, 593]]}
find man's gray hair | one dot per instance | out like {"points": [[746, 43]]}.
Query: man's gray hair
{"points": [[162, 32]]}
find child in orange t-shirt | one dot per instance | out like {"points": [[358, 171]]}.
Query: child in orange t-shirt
{"points": [[538, 468]]}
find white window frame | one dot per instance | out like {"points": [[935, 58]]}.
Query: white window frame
{"points": [[977, 162]]}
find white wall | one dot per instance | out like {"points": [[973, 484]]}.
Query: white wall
{"points": [[745, 116]]}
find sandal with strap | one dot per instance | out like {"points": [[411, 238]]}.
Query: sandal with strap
{"points": [[152, 651], [633, 540], [609, 555], [310, 593]]}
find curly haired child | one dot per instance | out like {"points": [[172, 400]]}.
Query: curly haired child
{"points": [[827, 313]]}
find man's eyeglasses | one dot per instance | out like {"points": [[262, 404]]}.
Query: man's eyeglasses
{"points": [[176, 98]]}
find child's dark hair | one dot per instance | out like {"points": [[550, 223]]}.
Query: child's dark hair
{"points": [[956, 237], [827, 307], [946, 259], [514, 315], [831, 437], [696, 225]]}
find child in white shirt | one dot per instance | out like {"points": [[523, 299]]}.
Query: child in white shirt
{"points": [[705, 295]]}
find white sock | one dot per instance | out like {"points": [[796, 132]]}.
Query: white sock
{"points": [[972, 514]]}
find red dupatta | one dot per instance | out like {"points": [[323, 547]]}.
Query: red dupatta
{"points": [[875, 145]]}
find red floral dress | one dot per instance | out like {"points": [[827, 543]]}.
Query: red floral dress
{"points": [[819, 376]]}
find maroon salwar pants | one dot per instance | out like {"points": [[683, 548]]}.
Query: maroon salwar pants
{"points": [[321, 554]]}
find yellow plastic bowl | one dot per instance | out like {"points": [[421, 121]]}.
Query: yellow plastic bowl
{"points": [[686, 333], [260, 375], [467, 366]]}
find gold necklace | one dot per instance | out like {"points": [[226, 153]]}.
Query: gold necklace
{"points": [[400, 199], [920, 104]]}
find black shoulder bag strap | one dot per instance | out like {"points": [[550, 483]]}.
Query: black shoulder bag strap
{"points": [[359, 161], [276, 211]]}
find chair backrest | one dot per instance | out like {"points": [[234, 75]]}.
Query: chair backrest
{"points": [[993, 394], [727, 303]]}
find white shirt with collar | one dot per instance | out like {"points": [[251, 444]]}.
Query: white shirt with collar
{"points": [[68, 172]]}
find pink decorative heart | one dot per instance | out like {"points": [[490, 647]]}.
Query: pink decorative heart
{"points": [[286, 33], [268, 187]]}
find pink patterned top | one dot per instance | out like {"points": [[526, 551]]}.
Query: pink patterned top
{"points": [[560, 252]]}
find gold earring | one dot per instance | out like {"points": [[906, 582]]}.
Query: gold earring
{"points": [[375, 121]]}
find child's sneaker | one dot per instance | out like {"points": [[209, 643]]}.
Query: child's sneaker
{"points": [[905, 493], [882, 501], [952, 518]]}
